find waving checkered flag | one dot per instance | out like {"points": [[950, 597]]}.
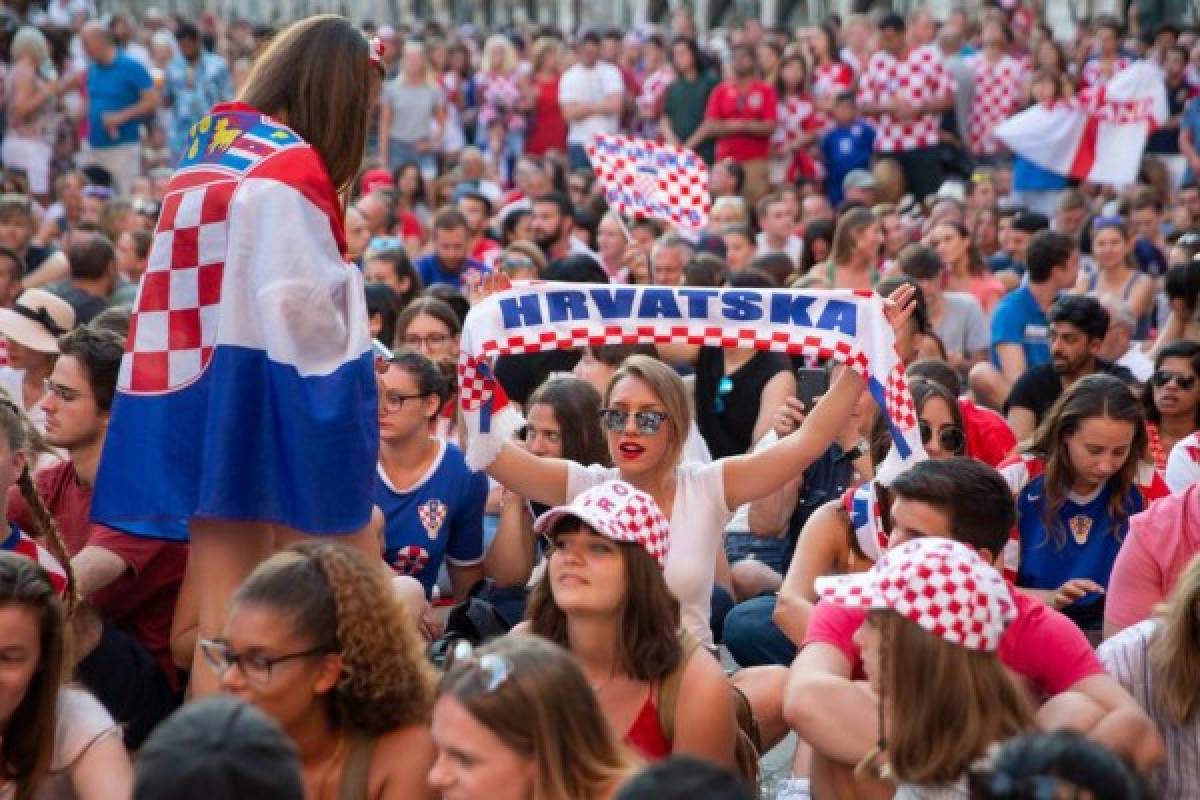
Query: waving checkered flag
{"points": [[642, 178]]}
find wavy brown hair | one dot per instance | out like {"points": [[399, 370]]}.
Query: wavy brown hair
{"points": [[934, 738], [1093, 396], [27, 742], [648, 647], [341, 601], [316, 77], [1174, 653], [544, 709], [576, 407]]}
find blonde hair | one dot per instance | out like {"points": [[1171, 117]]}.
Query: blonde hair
{"points": [[317, 75], [933, 740], [498, 42], [845, 235], [543, 47], [735, 203], [1175, 652], [666, 383], [29, 39], [543, 709]]}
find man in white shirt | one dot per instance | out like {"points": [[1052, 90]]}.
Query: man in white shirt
{"points": [[590, 94], [1118, 346], [778, 234]]}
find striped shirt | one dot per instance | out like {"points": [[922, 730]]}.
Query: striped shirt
{"points": [[1125, 656]]}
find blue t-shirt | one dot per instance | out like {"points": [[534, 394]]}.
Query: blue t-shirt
{"points": [[846, 149], [439, 519], [1003, 262], [1029, 177], [1018, 319], [1090, 545], [114, 87], [1191, 122], [429, 267]]}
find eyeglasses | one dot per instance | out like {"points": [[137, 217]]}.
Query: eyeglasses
{"points": [[63, 393], [394, 401], [951, 438], [496, 669], [1162, 377], [433, 340], [723, 389], [255, 666], [648, 422]]}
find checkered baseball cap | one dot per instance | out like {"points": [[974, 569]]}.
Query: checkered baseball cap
{"points": [[618, 511], [940, 584]]}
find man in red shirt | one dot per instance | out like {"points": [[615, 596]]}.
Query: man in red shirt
{"points": [[741, 115], [959, 498], [128, 584]]}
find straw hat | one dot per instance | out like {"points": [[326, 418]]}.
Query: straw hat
{"points": [[36, 320]]}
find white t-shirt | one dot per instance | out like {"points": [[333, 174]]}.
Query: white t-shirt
{"points": [[698, 521], [1183, 463], [1136, 361], [582, 84], [794, 249], [82, 722]]}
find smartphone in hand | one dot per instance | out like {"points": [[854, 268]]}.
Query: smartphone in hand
{"points": [[811, 384]]}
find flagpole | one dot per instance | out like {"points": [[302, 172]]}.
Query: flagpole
{"points": [[629, 239]]}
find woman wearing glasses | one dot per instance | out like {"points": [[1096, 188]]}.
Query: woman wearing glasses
{"points": [[433, 504], [430, 327], [1172, 399], [1081, 477], [317, 640], [646, 416], [517, 720]]}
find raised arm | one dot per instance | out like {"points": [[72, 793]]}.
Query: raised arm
{"points": [[543, 480]]}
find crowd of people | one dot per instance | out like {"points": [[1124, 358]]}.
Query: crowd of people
{"points": [[247, 556]]}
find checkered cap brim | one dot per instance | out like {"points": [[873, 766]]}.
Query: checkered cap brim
{"points": [[618, 511], [940, 584]]}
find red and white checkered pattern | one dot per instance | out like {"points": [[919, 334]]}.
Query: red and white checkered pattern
{"points": [[1097, 103], [501, 95], [997, 92], [410, 560], [900, 406], [642, 178], [650, 100], [618, 511], [918, 78], [1094, 74], [174, 324], [830, 79], [942, 585]]}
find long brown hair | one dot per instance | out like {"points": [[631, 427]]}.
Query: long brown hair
{"points": [[316, 77], [849, 228], [27, 744], [933, 739], [1093, 396], [341, 602], [648, 647], [1174, 653], [576, 407], [540, 705]]}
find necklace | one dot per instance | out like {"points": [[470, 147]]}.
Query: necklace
{"points": [[327, 769], [597, 688]]}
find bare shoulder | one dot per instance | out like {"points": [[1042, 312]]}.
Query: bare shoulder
{"points": [[400, 764]]}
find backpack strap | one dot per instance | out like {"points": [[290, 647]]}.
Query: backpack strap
{"points": [[354, 773], [668, 693]]}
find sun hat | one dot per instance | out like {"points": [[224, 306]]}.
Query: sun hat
{"points": [[940, 584], [617, 511], [36, 320]]}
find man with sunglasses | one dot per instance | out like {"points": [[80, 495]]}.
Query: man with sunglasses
{"points": [[1078, 325]]}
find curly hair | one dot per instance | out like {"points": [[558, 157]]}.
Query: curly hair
{"points": [[343, 603]]}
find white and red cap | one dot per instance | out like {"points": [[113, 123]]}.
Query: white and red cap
{"points": [[617, 511], [940, 584]]}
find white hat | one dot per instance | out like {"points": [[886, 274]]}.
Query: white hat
{"points": [[37, 319]]}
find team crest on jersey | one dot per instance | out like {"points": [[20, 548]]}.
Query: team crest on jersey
{"points": [[432, 514], [1081, 526]]}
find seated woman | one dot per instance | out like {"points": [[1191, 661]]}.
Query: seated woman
{"points": [[56, 741], [604, 599], [516, 719], [1080, 479], [432, 328], [1172, 399], [316, 638], [906, 644], [1154, 661]]}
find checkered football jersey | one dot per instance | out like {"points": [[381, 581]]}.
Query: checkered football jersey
{"points": [[917, 78], [997, 92]]}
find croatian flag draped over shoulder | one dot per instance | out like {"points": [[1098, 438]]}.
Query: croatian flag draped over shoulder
{"points": [[847, 326], [642, 178], [1098, 136]]}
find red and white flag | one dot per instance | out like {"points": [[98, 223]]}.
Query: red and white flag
{"points": [[1098, 136], [642, 178]]}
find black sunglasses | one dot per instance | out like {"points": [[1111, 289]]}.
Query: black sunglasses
{"points": [[1162, 377], [648, 422], [951, 438]]}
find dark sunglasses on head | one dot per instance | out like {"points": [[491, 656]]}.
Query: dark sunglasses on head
{"points": [[648, 422], [951, 438], [1162, 377]]}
